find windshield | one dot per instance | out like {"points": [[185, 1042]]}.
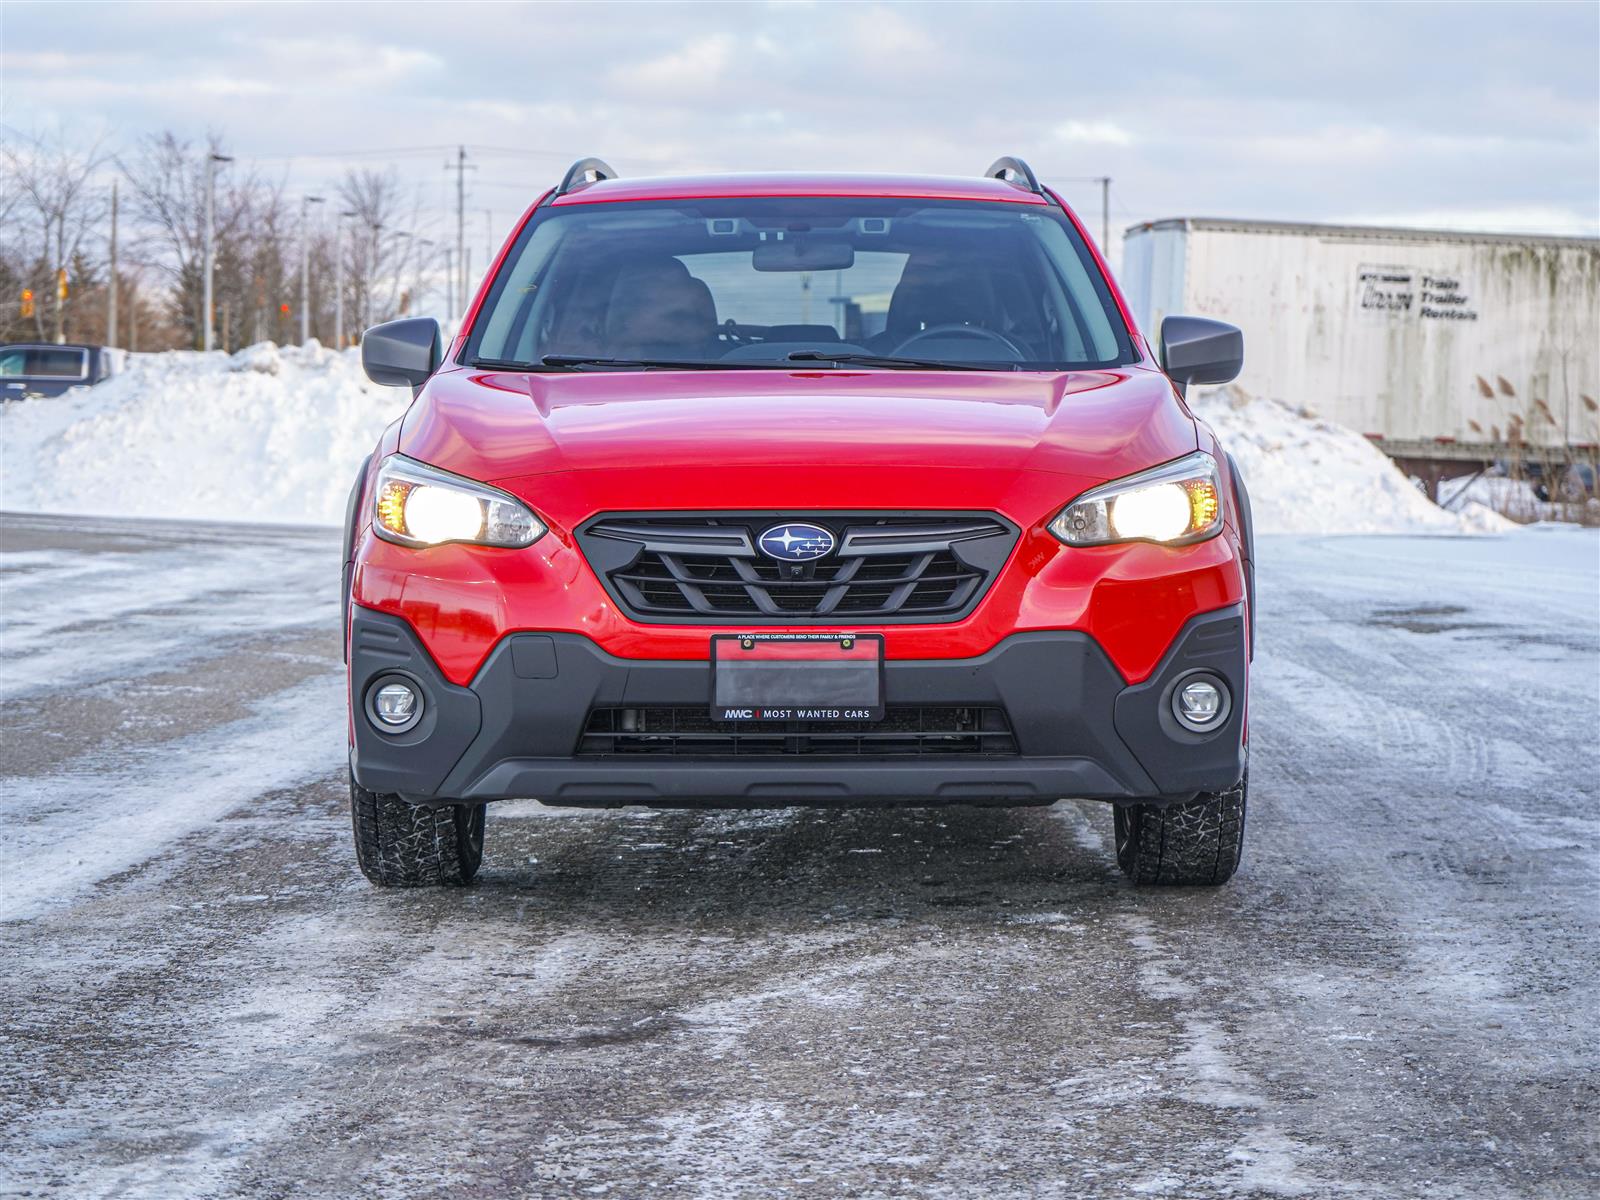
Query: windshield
{"points": [[750, 282]]}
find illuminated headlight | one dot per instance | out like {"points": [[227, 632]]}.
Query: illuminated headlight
{"points": [[1174, 504], [419, 505]]}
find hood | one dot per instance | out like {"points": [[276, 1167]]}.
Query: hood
{"points": [[1091, 425]]}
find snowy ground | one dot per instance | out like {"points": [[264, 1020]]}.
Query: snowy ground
{"points": [[200, 997]]}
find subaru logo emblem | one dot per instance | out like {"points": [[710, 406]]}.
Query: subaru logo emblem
{"points": [[796, 542]]}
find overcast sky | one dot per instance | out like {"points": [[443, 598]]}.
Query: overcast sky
{"points": [[1463, 115]]}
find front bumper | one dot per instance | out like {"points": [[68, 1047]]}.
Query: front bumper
{"points": [[1079, 730]]}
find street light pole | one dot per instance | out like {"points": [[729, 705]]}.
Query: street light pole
{"points": [[111, 279], [372, 274], [338, 276], [305, 267], [1105, 216], [209, 340], [449, 283]]}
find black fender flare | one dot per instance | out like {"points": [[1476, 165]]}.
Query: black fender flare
{"points": [[1247, 538], [352, 522]]}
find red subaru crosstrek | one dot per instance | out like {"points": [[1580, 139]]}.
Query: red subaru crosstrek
{"points": [[814, 489]]}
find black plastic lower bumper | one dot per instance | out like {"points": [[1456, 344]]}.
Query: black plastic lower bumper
{"points": [[1080, 731]]}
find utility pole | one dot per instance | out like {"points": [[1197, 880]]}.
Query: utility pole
{"points": [[1105, 217], [459, 293], [461, 215], [305, 267], [111, 281], [207, 316], [449, 283]]}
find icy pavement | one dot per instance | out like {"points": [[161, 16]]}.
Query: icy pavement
{"points": [[200, 997]]}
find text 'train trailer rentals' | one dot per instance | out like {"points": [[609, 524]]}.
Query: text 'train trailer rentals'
{"points": [[1444, 348]]}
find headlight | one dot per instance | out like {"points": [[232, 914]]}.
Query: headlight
{"points": [[1174, 504], [419, 505]]}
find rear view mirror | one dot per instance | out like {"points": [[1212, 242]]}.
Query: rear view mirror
{"points": [[402, 353], [803, 254], [1197, 350]]}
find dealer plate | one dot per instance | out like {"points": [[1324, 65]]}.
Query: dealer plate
{"points": [[797, 677]]}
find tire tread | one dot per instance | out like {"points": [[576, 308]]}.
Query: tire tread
{"points": [[1193, 843], [414, 845]]}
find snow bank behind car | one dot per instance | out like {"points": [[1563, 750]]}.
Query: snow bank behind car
{"points": [[1307, 475], [276, 434], [267, 434]]}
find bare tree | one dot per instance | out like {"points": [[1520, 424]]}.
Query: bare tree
{"points": [[54, 183], [252, 274], [385, 254]]}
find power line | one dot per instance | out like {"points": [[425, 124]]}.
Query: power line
{"points": [[414, 152]]}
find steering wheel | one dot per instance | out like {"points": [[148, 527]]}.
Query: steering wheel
{"points": [[955, 329]]}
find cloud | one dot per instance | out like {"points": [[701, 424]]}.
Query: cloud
{"points": [[1098, 133], [694, 69], [1306, 112]]}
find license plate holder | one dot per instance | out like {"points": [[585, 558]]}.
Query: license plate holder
{"points": [[797, 677]]}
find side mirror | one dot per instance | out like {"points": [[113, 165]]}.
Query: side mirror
{"points": [[402, 353], [1197, 350]]}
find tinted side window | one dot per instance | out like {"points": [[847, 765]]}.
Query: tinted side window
{"points": [[57, 363]]}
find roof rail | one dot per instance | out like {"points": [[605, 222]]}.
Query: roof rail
{"points": [[1014, 171], [577, 174]]}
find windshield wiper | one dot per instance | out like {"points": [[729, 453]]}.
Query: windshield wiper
{"points": [[578, 361], [503, 364], [892, 363]]}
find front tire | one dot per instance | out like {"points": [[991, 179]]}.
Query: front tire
{"points": [[1193, 843], [415, 845]]}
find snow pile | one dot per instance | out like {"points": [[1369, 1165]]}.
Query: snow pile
{"points": [[1307, 475], [276, 434], [267, 434], [1517, 499]]}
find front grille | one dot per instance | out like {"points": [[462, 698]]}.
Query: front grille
{"points": [[927, 567], [689, 732]]}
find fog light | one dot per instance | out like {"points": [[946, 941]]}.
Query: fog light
{"points": [[394, 705], [1201, 704]]}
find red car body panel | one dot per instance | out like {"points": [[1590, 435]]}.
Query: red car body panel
{"points": [[1090, 425], [1020, 444], [572, 446]]}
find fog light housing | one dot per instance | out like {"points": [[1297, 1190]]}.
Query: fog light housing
{"points": [[1201, 703], [394, 704]]}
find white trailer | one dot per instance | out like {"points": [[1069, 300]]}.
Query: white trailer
{"points": [[1438, 346]]}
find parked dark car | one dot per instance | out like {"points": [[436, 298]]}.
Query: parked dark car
{"points": [[30, 369]]}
